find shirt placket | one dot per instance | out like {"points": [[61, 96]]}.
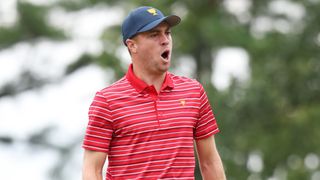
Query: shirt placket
{"points": [[155, 97]]}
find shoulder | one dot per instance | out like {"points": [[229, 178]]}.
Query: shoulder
{"points": [[116, 87], [184, 81]]}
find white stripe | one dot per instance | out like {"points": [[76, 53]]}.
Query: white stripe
{"points": [[152, 130], [94, 107], [204, 103], [205, 129], [150, 146], [148, 151], [179, 107], [133, 114], [95, 121], [100, 102], [183, 114], [96, 142], [103, 129], [208, 120], [148, 162], [102, 117], [96, 136], [157, 155], [135, 101], [95, 113], [149, 166], [155, 141], [134, 108], [213, 132], [91, 131], [162, 170], [174, 101], [93, 147], [150, 118]]}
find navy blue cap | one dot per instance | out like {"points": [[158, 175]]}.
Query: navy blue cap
{"points": [[144, 19]]}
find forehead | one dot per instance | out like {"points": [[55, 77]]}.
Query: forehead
{"points": [[163, 26]]}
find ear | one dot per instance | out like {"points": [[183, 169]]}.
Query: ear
{"points": [[132, 45]]}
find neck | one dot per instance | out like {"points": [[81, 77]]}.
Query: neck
{"points": [[150, 78]]}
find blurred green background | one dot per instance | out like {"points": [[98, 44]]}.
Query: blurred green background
{"points": [[269, 116]]}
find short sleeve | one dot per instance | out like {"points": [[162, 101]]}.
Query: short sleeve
{"points": [[206, 124], [99, 130]]}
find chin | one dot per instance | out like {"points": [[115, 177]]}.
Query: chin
{"points": [[163, 69], [166, 65]]}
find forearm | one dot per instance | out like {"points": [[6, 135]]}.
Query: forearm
{"points": [[213, 170], [91, 174], [92, 165], [209, 160]]}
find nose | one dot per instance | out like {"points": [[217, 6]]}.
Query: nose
{"points": [[165, 39]]}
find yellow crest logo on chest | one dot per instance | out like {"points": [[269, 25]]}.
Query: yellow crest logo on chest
{"points": [[152, 11], [182, 102]]}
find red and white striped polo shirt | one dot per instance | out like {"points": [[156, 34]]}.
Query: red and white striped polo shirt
{"points": [[149, 135]]}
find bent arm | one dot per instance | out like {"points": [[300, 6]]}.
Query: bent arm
{"points": [[93, 162], [209, 159]]}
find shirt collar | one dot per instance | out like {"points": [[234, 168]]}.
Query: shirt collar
{"points": [[140, 85]]}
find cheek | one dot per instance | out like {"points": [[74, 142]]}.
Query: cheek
{"points": [[148, 49]]}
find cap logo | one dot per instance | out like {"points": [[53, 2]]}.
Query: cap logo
{"points": [[152, 11]]}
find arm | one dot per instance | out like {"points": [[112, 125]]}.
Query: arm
{"points": [[93, 162], [209, 159]]}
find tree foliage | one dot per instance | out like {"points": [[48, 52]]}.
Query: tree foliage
{"points": [[276, 115]]}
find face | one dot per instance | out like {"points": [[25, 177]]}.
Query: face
{"points": [[152, 49]]}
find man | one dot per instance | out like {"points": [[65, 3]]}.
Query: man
{"points": [[147, 122]]}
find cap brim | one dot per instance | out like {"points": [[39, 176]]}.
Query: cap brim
{"points": [[172, 20]]}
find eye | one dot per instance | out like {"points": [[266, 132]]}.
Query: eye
{"points": [[168, 33], [153, 34]]}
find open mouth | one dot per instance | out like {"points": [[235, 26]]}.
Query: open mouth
{"points": [[165, 54]]}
